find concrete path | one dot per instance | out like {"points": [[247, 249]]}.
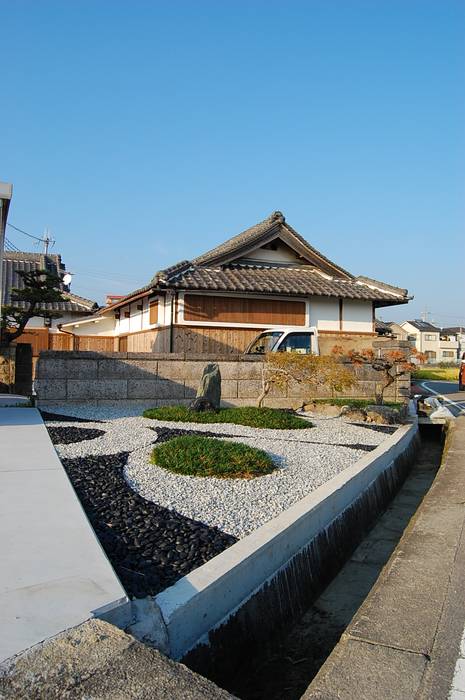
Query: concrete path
{"points": [[53, 572]]}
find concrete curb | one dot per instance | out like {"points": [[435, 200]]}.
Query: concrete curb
{"points": [[205, 599], [404, 640]]}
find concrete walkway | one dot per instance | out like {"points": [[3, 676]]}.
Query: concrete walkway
{"points": [[53, 572]]}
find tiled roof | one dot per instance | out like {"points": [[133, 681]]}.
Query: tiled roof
{"points": [[274, 226], [423, 326], [219, 270], [28, 262], [299, 281]]}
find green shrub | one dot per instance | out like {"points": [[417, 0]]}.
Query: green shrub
{"points": [[194, 455], [244, 415]]}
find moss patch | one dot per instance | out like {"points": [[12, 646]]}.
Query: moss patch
{"points": [[244, 415], [193, 455]]}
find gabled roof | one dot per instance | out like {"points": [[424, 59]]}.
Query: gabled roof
{"points": [[423, 326], [227, 268], [29, 262], [271, 228]]}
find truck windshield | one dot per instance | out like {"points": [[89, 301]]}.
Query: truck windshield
{"points": [[264, 343]]}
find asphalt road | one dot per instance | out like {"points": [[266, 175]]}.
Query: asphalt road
{"points": [[448, 393]]}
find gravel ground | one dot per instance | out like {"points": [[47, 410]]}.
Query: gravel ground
{"points": [[305, 459]]}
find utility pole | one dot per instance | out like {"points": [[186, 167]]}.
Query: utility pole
{"points": [[47, 240], [6, 191]]}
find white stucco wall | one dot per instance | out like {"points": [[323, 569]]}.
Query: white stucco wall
{"points": [[357, 316], [101, 326], [139, 319], [283, 254], [324, 313]]}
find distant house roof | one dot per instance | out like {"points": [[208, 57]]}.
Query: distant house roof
{"points": [[28, 262], [227, 268], [423, 326], [453, 330]]}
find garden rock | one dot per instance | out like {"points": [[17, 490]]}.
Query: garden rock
{"points": [[354, 415], [382, 414], [208, 395], [323, 409]]}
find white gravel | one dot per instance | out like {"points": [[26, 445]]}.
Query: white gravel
{"points": [[305, 460]]}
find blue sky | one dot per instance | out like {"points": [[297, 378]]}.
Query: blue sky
{"points": [[144, 133]]}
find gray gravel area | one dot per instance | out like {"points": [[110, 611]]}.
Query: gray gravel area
{"points": [[305, 459]]}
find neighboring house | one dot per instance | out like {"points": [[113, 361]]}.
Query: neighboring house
{"points": [[43, 334], [459, 333], [437, 344], [268, 276], [390, 329]]}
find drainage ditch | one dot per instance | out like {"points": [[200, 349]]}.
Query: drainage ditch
{"points": [[286, 666]]}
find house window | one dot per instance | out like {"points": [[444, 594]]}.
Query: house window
{"points": [[430, 336], [411, 337], [448, 353], [430, 356], [153, 312]]}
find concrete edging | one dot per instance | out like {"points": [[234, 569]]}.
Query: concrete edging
{"points": [[206, 598]]}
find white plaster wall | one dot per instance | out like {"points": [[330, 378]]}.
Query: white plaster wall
{"points": [[324, 313], [283, 254], [103, 325], [38, 321], [357, 316]]}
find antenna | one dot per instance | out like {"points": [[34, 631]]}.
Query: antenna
{"points": [[424, 314], [47, 240]]}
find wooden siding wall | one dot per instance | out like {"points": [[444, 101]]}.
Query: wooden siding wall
{"points": [[60, 341], [37, 338], [98, 343], [243, 310], [156, 340], [222, 341]]}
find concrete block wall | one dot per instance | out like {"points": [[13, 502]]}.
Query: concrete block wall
{"points": [[164, 379]]}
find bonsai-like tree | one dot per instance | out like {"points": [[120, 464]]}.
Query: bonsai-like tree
{"points": [[40, 287], [391, 363], [311, 371]]}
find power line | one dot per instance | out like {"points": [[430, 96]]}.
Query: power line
{"points": [[36, 238], [46, 239], [11, 246]]}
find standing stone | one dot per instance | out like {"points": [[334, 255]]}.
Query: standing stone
{"points": [[208, 395]]}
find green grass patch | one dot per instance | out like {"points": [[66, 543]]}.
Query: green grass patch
{"points": [[242, 415], [445, 374], [194, 455], [358, 403]]}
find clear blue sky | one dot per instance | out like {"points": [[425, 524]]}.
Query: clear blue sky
{"points": [[147, 132]]}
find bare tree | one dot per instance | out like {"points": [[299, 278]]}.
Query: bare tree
{"points": [[311, 371]]}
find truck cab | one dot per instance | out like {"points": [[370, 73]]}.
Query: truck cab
{"points": [[301, 340]]}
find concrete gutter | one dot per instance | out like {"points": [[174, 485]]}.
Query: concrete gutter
{"points": [[54, 574], [205, 599], [404, 640]]}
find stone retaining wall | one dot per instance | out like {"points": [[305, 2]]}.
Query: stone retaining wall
{"points": [[163, 379]]}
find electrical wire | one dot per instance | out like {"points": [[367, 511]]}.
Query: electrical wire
{"points": [[11, 246], [36, 238]]}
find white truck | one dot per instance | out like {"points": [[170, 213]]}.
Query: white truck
{"points": [[290, 339]]}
